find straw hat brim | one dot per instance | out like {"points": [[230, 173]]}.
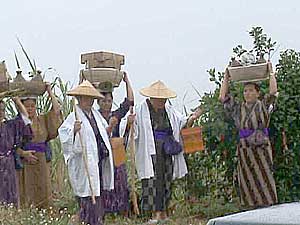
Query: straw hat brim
{"points": [[158, 93], [85, 91]]}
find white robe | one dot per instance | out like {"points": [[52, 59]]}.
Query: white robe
{"points": [[144, 141], [73, 154]]}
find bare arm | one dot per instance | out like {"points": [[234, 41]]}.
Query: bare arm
{"points": [[273, 82], [225, 86], [194, 116], [129, 90], [55, 104], [20, 106]]}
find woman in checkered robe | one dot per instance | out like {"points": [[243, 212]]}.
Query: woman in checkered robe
{"points": [[156, 192], [158, 154]]}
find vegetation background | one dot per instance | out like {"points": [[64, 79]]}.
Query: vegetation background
{"points": [[210, 189]]}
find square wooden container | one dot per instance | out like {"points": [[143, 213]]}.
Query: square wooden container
{"points": [[192, 140], [118, 149], [251, 73], [102, 60], [99, 75]]}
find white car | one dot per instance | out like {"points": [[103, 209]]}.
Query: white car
{"points": [[284, 214]]}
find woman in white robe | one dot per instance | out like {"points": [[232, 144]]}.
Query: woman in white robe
{"points": [[84, 133], [159, 156]]}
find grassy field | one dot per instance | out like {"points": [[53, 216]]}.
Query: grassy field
{"points": [[181, 212], [64, 206]]}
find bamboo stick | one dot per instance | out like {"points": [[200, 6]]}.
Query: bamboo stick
{"points": [[132, 171]]}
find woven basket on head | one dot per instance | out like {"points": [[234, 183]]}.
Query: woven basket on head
{"points": [[102, 60], [34, 87], [249, 73], [100, 75]]}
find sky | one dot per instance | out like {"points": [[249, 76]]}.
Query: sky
{"points": [[169, 40]]}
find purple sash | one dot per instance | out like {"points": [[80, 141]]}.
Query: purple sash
{"points": [[38, 147], [244, 133], [160, 135], [170, 145]]}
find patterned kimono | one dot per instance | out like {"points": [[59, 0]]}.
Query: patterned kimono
{"points": [[35, 179], [12, 134], [156, 191], [255, 162], [118, 199]]}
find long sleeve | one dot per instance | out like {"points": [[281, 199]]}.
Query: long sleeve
{"points": [[70, 142], [232, 109], [123, 109], [53, 122]]}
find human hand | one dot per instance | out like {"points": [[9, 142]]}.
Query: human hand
{"points": [[16, 99], [113, 121], [48, 88], [125, 78], [195, 115], [131, 118], [270, 68], [77, 126], [226, 74], [29, 156]]}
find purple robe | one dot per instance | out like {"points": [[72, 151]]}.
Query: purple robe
{"points": [[12, 135], [117, 200]]}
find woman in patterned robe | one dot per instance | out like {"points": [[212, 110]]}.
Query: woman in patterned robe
{"points": [[116, 200], [34, 177], [12, 134], [254, 153]]}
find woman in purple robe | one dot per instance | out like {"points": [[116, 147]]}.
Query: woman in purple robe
{"points": [[116, 200], [13, 133]]}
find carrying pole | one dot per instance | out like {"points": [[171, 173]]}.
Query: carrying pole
{"points": [[132, 167]]}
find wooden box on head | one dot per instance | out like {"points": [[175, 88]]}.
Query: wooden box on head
{"points": [[102, 59], [102, 67], [250, 73]]}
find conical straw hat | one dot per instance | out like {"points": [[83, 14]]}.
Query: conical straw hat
{"points": [[85, 89], [158, 90]]}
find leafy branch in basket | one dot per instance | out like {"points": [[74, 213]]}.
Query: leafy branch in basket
{"points": [[262, 43]]}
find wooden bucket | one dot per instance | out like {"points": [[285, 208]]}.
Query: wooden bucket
{"points": [[100, 75], [102, 60], [249, 73], [118, 149], [192, 140]]}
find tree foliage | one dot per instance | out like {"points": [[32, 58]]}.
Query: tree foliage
{"points": [[213, 172]]}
